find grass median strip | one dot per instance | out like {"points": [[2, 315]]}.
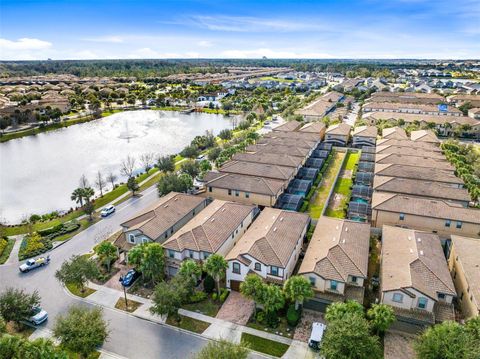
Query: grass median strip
{"points": [[132, 305], [187, 323], [75, 290], [263, 345]]}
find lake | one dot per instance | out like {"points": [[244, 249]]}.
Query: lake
{"points": [[38, 173]]}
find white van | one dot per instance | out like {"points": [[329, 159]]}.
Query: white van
{"points": [[317, 334]]}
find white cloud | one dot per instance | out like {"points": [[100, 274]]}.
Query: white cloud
{"points": [[250, 24], [205, 43], [24, 49], [115, 39], [24, 44]]}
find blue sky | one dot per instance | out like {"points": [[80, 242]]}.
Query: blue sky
{"points": [[34, 29]]}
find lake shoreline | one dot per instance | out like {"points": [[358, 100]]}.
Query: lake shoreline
{"points": [[40, 172]]}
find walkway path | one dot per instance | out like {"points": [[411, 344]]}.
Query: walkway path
{"points": [[13, 258]]}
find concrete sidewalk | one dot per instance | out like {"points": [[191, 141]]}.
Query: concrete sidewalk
{"points": [[218, 329]]}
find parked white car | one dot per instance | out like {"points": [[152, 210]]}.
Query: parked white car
{"points": [[38, 316], [317, 334], [107, 211]]}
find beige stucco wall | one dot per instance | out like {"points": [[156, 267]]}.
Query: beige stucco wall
{"points": [[464, 296], [254, 198], [436, 225]]}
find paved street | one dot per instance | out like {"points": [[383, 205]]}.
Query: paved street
{"points": [[130, 336]]}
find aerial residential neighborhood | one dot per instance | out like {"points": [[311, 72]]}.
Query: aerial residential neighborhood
{"points": [[298, 180]]}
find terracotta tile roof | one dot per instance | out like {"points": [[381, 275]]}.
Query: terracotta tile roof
{"points": [[287, 150], [408, 143], [288, 126], [412, 117], [295, 134], [272, 238], [468, 252], [259, 185], [313, 127], [338, 248], [396, 133], [269, 158], [409, 96], [410, 160], [411, 151], [122, 243], [341, 129], [258, 170], [298, 142], [211, 228], [162, 215], [414, 259], [424, 207], [424, 136], [417, 187], [416, 172], [320, 106], [365, 131], [408, 106]]}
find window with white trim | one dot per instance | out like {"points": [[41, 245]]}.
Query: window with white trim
{"points": [[398, 297]]}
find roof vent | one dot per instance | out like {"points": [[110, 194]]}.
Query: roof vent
{"points": [[334, 239], [411, 250], [165, 206], [176, 199], [346, 229], [421, 252], [223, 209], [343, 241], [275, 229], [281, 219], [409, 238], [336, 227], [419, 239], [212, 219]]}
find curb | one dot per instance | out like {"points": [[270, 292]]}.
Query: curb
{"points": [[180, 330]]}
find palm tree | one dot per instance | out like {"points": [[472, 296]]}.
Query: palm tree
{"points": [[381, 316], [106, 252], [252, 288], [190, 269], [77, 196], [297, 289], [88, 193], [216, 265]]}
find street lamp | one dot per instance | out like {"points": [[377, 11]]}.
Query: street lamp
{"points": [[124, 292]]}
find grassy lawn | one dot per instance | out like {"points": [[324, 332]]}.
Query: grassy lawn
{"points": [[7, 250], [84, 224], [318, 201], [76, 291], [263, 345], [72, 355], [207, 307], [352, 160], [343, 187], [190, 324], [132, 305]]}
